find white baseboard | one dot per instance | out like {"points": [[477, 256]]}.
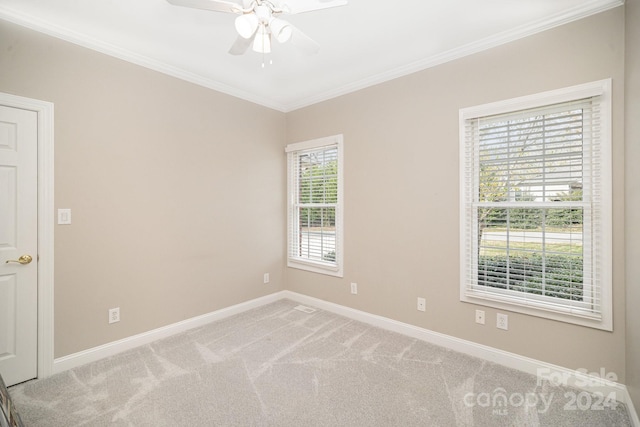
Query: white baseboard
{"points": [[579, 380], [632, 412], [569, 377], [96, 353]]}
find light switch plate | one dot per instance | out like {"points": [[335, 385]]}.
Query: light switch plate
{"points": [[64, 216]]}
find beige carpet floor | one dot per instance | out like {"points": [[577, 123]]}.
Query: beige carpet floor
{"points": [[277, 366]]}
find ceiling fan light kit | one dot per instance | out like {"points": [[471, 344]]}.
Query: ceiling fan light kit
{"points": [[262, 41], [281, 30], [259, 20], [247, 24]]}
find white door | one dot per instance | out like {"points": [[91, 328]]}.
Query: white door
{"points": [[18, 244]]}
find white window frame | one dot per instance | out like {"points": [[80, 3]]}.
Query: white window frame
{"points": [[500, 299], [329, 268]]}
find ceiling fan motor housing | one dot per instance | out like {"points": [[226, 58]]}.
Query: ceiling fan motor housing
{"points": [[258, 20]]}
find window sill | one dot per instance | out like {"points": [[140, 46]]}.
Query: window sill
{"points": [[320, 268]]}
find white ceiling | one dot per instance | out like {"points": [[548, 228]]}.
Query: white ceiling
{"points": [[361, 44]]}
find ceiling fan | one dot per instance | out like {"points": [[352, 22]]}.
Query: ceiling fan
{"points": [[259, 21]]}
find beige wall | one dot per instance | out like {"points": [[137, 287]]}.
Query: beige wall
{"points": [[175, 190], [166, 181], [632, 195], [402, 189]]}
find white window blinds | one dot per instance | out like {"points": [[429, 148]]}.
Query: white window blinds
{"points": [[533, 209], [315, 222]]}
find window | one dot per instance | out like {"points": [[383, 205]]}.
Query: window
{"points": [[315, 205], [536, 205]]}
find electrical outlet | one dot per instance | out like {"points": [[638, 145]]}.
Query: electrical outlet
{"points": [[422, 304], [114, 315], [266, 278], [502, 321], [480, 317], [354, 288]]}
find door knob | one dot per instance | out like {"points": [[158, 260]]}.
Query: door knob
{"points": [[24, 259]]}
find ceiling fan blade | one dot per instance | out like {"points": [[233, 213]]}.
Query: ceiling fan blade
{"points": [[241, 44], [301, 6], [216, 5], [303, 42]]}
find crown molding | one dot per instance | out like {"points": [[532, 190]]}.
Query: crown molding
{"points": [[83, 40], [587, 9], [575, 14]]}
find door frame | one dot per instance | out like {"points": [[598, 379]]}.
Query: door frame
{"points": [[46, 223]]}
